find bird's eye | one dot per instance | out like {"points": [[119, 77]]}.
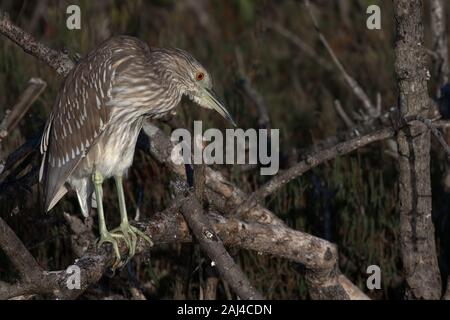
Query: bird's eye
{"points": [[199, 76]]}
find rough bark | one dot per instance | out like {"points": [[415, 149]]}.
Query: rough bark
{"points": [[57, 60], [318, 256], [418, 247], [213, 246]]}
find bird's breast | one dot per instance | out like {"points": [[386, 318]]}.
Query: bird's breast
{"points": [[113, 153]]}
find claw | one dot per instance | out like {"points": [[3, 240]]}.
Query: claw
{"points": [[130, 236], [111, 238]]}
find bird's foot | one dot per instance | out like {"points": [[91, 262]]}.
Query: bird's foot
{"points": [[110, 237], [130, 236]]}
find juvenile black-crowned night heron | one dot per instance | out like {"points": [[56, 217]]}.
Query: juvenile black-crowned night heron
{"points": [[92, 131]]}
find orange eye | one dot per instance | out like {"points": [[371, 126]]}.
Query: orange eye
{"points": [[199, 76]]}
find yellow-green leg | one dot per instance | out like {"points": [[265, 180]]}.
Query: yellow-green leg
{"points": [[105, 235], [130, 233]]}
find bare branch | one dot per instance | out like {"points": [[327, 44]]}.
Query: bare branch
{"points": [[303, 46], [341, 112], [317, 255], [192, 210], [214, 248], [352, 83], [435, 131], [12, 118], [311, 161], [18, 254], [56, 60], [255, 96]]}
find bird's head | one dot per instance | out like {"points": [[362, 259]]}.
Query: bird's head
{"points": [[193, 80]]}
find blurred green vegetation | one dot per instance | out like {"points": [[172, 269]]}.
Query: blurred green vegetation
{"points": [[358, 191]]}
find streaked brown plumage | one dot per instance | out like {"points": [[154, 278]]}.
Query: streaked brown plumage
{"points": [[101, 107]]}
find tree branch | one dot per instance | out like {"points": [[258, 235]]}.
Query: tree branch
{"points": [[18, 254], [18, 111], [311, 161], [213, 246], [418, 247], [317, 255], [56, 60]]}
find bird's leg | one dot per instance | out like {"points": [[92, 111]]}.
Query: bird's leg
{"points": [[105, 235], [128, 230]]}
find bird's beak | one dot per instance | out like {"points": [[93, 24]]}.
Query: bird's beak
{"points": [[213, 102]]}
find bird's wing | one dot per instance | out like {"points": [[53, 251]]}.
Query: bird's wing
{"points": [[79, 117], [81, 112]]}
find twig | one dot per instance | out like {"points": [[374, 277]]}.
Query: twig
{"points": [[255, 96], [352, 83], [312, 160], [303, 46], [18, 111], [341, 112], [435, 131], [379, 103], [320, 156]]}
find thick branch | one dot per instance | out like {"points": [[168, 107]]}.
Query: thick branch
{"points": [[18, 254], [214, 248], [317, 255], [56, 60], [159, 146], [417, 232]]}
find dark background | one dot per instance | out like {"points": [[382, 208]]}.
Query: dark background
{"points": [[350, 201]]}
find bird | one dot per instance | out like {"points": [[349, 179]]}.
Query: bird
{"points": [[100, 108]]}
